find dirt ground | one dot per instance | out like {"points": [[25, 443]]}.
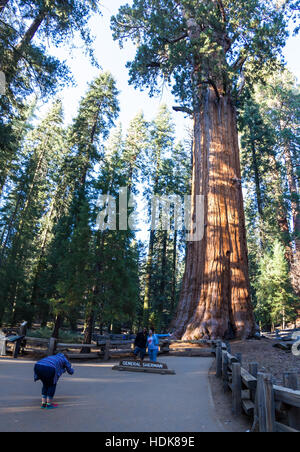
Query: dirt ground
{"points": [[270, 360], [223, 406]]}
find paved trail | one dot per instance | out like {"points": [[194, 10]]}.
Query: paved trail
{"points": [[97, 399]]}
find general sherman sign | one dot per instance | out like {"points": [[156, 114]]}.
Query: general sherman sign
{"points": [[143, 366]]}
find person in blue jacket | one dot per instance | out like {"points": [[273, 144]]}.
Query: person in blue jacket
{"points": [[153, 344], [49, 370]]}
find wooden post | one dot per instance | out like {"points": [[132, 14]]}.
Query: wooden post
{"points": [[52, 346], [106, 350], [253, 370], [225, 371], [236, 389], [266, 403], [219, 361], [17, 347], [23, 329], [291, 381], [239, 357]]}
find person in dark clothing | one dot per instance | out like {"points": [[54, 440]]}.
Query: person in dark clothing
{"points": [[141, 344], [49, 370]]}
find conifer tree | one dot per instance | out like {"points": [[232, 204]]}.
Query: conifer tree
{"points": [[97, 112], [276, 304], [22, 237], [206, 49]]}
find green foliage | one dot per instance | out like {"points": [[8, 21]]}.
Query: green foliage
{"points": [[276, 304], [192, 43], [269, 124], [64, 336]]}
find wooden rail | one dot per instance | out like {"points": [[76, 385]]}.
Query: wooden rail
{"points": [[106, 348], [273, 408]]}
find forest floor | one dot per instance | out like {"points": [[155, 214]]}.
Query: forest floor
{"points": [[270, 360], [223, 406]]}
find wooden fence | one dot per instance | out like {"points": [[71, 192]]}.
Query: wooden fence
{"points": [[273, 408], [107, 348], [281, 334]]}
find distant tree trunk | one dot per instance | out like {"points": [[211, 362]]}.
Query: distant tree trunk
{"points": [[88, 331], [293, 191], [28, 36], [57, 326], [258, 194], [148, 278], [174, 265], [92, 307], [162, 286], [295, 261], [282, 217], [215, 299]]}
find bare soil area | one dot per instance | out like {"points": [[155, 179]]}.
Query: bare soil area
{"points": [[223, 406], [270, 360]]}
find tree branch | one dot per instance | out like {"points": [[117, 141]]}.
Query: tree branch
{"points": [[184, 110], [212, 83], [154, 64], [173, 41]]}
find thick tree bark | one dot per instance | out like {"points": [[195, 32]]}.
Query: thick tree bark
{"points": [[215, 299]]}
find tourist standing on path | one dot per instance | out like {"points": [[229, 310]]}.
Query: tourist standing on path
{"points": [[140, 344], [49, 370], [153, 344]]}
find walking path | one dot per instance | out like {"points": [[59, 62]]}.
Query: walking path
{"points": [[97, 399]]}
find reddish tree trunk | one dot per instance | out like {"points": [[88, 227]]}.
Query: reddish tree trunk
{"points": [[295, 260], [215, 299]]}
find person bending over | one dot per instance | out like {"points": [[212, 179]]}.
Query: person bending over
{"points": [[49, 370]]}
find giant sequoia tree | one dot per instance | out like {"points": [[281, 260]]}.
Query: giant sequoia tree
{"points": [[208, 50]]}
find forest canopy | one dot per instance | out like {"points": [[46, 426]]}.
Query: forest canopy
{"points": [[224, 63]]}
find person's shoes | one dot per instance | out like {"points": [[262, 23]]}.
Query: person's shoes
{"points": [[51, 406], [44, 405]]}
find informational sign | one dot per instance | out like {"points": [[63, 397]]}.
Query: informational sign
{"points": [[132, 365], [143, 364]]}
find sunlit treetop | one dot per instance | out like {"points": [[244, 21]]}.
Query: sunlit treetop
{"points": [[189, 43]]}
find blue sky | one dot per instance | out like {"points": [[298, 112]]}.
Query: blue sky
{"points": [[113, 59]]}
